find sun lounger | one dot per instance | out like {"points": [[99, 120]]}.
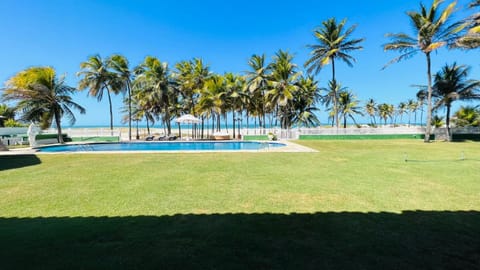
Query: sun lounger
{"points": [[149, 138]]}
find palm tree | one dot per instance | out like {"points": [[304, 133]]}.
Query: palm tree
{"points": [[257, 82], [304, 102], [471, 40], [421, 95], [153, 78], [119, 64], [330, 99], [371, 110], [234, 86], [451, 84], [283, 85], [467, 116], [437, 121], [431, 31], [333, 42], [348, 106], [42, 97], [401, 109], [190, 77], [6, 113], [98, 79], [384, 111], [411, 107]]}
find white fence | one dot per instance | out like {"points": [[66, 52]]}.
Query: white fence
{"points": [[289, 134]]}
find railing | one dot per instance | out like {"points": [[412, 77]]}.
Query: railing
{"points": [[294, 133]]}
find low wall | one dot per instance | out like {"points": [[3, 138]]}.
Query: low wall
{"points": [[362, 137]]}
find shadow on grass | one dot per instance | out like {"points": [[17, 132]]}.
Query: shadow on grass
{"points": [[346, 240], [17, 161]]}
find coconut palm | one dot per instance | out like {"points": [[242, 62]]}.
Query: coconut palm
{"points": [[119, 65], [190, 77], [6, 113], [471, 39], [153, 78], [329, 100], [42, 97], [333, 42], [304, 102], [437, 121], [452, 83], [257, 82], [234, 86], [384, 111], [348, 106], [98, 79], [467, 116], [421, 96], [401, 109], [371, 110], [283, 86], [432, 31]]}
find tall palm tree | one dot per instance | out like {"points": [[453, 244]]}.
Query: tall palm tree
{"points": [[329, 100], [348, 106], [401, 109], [411, 107], [234, 86], [283, 85], [119, 65], [190, 77], [371, 110], [153, 78], [421, 95], [257, 82], [452, 83], [98, 79], [432, 30], [384, 111], [42, 97], [333, 42], [304, 102]]}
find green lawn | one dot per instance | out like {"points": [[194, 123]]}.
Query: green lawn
{"points": [[352, 205]]}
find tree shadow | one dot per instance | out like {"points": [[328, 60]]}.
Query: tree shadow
{"points": [[345, 240], [8, 162]]}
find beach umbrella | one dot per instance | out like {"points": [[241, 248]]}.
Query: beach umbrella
{"points": [[187, 119]]}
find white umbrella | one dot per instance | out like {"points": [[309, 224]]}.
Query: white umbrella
{"points": [[187, 119]]}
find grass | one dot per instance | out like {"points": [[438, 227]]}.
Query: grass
{"points": [[353, 204]]}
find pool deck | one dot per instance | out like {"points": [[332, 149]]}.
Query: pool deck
{"points": [[289, 148]]}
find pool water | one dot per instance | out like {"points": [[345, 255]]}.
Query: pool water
{"points": [[161, 146]]}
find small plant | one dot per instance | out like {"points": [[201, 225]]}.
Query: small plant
{"points": [[272, 136]]}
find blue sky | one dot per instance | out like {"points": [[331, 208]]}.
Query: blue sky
{"points": [[63, 33]]}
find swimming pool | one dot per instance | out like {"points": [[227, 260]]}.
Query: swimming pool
{"points": [[160, 146]]}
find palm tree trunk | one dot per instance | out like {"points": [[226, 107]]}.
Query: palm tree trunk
{"points": [[111, 110], [344, 121], [335, 111], [148, 126], [59, 127], [449, 138], [203, 123], [429, 100], [233, 118], [138, 135], [129, 111]]}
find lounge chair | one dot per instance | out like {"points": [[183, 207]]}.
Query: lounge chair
{"points": [[163, 138], [149, 138], [172, 138]]}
